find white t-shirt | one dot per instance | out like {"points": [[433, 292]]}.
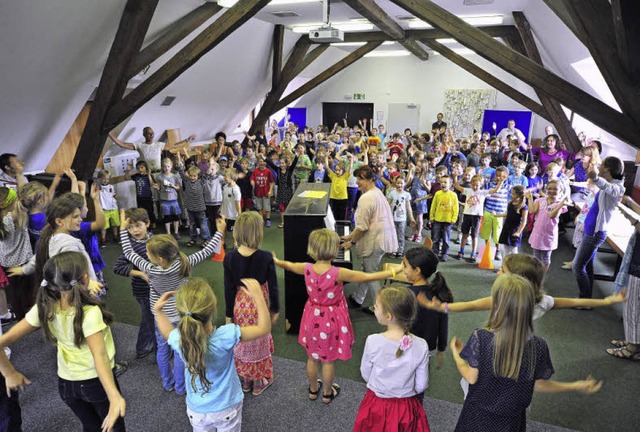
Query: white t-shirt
{"points": [[230, 196], [545, 305], [399, 204], [108, 197], [474, 205], [151, 154]]}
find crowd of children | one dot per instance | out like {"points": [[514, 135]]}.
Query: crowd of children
{"points": [[483, 188]]}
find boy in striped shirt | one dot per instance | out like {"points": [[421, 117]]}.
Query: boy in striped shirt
{"points": [[495, 204]]}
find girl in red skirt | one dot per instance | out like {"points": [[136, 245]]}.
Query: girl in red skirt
{"points": [[395, 367]]}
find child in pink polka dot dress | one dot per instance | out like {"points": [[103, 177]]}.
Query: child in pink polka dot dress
{"points": [[325, 329]]}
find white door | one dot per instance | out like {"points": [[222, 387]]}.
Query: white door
{"points": [[403, 116]]}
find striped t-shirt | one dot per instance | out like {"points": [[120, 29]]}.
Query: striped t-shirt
{"points": [[497, 202], [162, 280]]}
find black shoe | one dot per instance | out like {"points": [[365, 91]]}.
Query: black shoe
{"points": [[8, 320], [121, 367], [144, 353], [353, 304]]}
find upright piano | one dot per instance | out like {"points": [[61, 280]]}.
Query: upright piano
{"points": [[308, 210]]}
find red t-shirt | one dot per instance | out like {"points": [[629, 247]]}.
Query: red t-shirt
{"points": [[397, 148], [262, 179]]}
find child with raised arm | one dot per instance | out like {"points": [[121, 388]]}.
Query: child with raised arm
{"points": [[472, 214], [495, 204], [109, 206], [214, 394], [325, 329], [395, 366], [514, 222], [167, 270], [443, 214], [262, 182], [193, 189], [78, 325], [144, 193], [505, 362], [168, 184], [544, 236], [338, 196], [400, 202]]}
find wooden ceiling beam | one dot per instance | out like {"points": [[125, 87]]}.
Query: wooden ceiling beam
{"points": [[589, 107], [489, 78], [176, 32], [127, 42], [626, 16], [595, 18], [328, 73], [551, 105], [278, 46], [292, 67], [378, 17], [228, 22]]}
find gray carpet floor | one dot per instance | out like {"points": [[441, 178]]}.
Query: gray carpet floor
{"points": [[283, 407]]}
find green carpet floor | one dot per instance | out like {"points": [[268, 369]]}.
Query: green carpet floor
{"points": [[577, 339]]}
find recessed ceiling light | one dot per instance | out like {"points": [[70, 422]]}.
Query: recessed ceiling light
{"points": [[475, 20], [395, 53], [229, 3], [357, 44]]}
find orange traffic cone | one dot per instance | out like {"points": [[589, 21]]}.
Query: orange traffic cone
{"points": [[218, 255], [486, 262]]}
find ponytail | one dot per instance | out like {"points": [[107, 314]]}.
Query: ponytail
{"points": [[440, 288], [185, 265]]}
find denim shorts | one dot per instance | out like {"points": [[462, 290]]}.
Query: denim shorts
{"points": [[170, 208]]}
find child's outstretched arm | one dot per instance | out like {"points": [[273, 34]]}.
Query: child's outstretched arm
{"points": [[163, 323], [254, 290], [565, 303], [117, 404], [297, 268], [586, 386], [100, 221], [14, 380], [470, 374], [346, 275], [480, 304], [221, 227]]}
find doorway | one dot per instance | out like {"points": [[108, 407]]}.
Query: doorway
{"points": [[334, 112]]}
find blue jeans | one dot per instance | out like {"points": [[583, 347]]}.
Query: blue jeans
{"points": [[441, 231], [89, 402], [146, 334], [583, 262], [198, 219], [172, 376]]}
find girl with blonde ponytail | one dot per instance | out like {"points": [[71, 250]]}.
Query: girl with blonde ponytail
{"points": [[207, 351]]}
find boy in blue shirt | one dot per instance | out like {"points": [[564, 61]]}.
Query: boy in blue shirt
{"points": [[495, 204]]}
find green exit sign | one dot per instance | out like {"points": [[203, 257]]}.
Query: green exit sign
{"points": [[358, 96]]}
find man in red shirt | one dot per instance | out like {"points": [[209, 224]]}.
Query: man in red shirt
{"points": [[262, 181]]}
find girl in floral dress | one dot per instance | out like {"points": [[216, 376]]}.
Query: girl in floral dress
{"points": [[253, 358], [325, 329]]}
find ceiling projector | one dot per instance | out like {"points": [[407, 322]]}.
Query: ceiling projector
{"points": [[326, 34]]}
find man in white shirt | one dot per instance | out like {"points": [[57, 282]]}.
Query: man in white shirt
{"points": [[150, 151], [511, 130]]}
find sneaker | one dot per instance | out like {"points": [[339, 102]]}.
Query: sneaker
{"points": [[457, 241], [460, 256], [444, 258], [8, 318], [418, 239], [267, 223], [473, 258], [177, 236], [121, 367], [498, 256], [103, 244]]}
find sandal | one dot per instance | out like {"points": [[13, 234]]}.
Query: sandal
{"points": [[281, 226], [335, 391], [246, 385], [258, 389], [624, 353], [619, 343], [191, 243], [313, 395]]}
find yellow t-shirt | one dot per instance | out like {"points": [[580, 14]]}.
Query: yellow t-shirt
{"points": [[76, 363], [338, 186]]}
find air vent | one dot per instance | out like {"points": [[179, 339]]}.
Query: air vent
{"points": [[285, 14], [168, 100], [406, 17], [477, 2]]}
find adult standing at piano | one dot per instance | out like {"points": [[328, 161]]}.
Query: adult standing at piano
{"points": [[374, 233], [438, 128]]}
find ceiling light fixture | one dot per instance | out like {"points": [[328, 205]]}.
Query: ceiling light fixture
{"points": [[229, 3], [474, 20], [395, 53], [356, 44], [345, 27]]}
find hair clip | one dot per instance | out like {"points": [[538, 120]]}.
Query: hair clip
{"points": [[73, 282], [44, 283], [405, 342], [188, 314]]}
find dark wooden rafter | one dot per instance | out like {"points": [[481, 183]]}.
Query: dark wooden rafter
{"points": [[594, 19], [278, 44], [552, 106], [328, 73], [487, 77], [228, 22], [128, 40], [589, 107], [626, 16], [291, 68], [176, 32], [376, 15]]}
